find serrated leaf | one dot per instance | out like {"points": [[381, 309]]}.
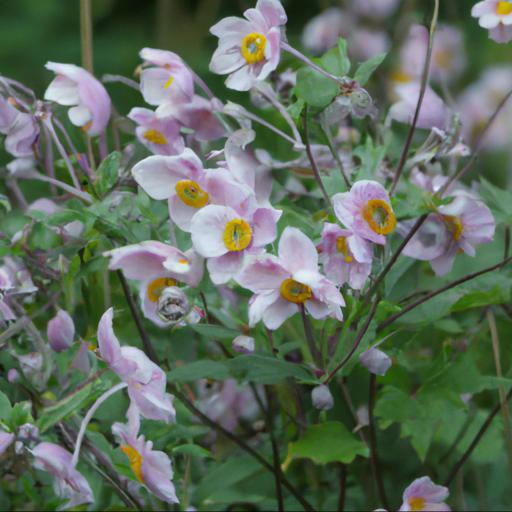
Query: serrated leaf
{"points": [[367, 68], [328, 442], [315, 89], [336, 60]]}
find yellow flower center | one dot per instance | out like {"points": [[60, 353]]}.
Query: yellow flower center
{"points": [[379, 216], [191, 193], [342, 246], [295, 292], [135, 459], [237, 235], [253, 47], [169, 82], [156, 287], [87, 126], [454, 225], [417, 504], [504, 8], [401, 77], [155, 137]]}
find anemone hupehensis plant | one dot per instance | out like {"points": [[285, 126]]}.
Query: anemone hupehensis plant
{"points": [[298, 302]]}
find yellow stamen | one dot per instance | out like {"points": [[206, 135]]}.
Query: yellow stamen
{"points": [[155, 137], [191, 193], [135, 459], [295, 292], [253, 47], [155, 288], [454, 225], [86, 127], [342, 246], [504, 8], [169, 82], [237, 235], [91, 347], [417, 504], [379, 216]]}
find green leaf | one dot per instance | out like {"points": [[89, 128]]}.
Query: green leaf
{"points": [[477, 299], [192, 450], [266, 370], [315, 89], [215, 331], [199, 370], [367, 68], [295, 109], [21, 413], [5, 203], [328, 442], [499, 200], [336, 60], [371, 158], [108, 172], [5, 407]]}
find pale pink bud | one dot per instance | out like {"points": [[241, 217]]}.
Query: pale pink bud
{"points": [[60, 331], [322, 398]]}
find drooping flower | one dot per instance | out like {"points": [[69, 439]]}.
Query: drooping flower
{"points": [[60, 331], [160, 136], [146, 380], [156, 266], [322, 32], [375, 361], [347, 258], [225, 235], [75, 87], [152, 468], [285, 283], [423, 494], [366, 211], [20, 129], [496, 16], [68, 482], [249, 49]]}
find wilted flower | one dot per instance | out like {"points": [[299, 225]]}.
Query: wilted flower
{"points": [[366, 211], [322, 32], [285, 283], [68, 482], [173, 305], [243, 344], [152, 468], [352, 101], [347, 258], [60, 331], [322, 398], [249, 49], [495, 15], [423, 494], [160, 136], [375, 361], [76, 88], [20, 129], [146, 381]]}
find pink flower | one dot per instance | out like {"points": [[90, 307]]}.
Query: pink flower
{"points": [[6, 439], [160, 136], [375, 8], [249, 49], [20, 129], [365, 43], [226, 234], [423, 494], [375, 361], [283, 284], [156, 266], [495, 15], [366, 211], [187, 186], [322, 32], [433, 111], [457, 227], [60, 331], [68, 482], [152, 468], [75, 87], [146, 381], [347, 258]]}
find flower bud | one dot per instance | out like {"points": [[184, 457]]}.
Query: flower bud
{"points": [[322, 398], [173, 305], [243, 344], [13, 375], [60, 331], [375, 361]]}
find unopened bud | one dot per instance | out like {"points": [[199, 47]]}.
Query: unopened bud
{"points": [[375, 361], [173, 305], [61, 331], [322, 398]]}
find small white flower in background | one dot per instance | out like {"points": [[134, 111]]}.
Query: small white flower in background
{"points": [[243, 344], [322, 398]]}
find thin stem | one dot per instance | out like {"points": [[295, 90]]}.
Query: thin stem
{"points": [[437, 292], [476, 440], [328, 137], [312, 159], [423, 88], [357, 341], [88, 417], [48, 159], [501, 388], [121, 79], [310, 338], [86, 34], [148, 346], [343, 488], [373, 442]]}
